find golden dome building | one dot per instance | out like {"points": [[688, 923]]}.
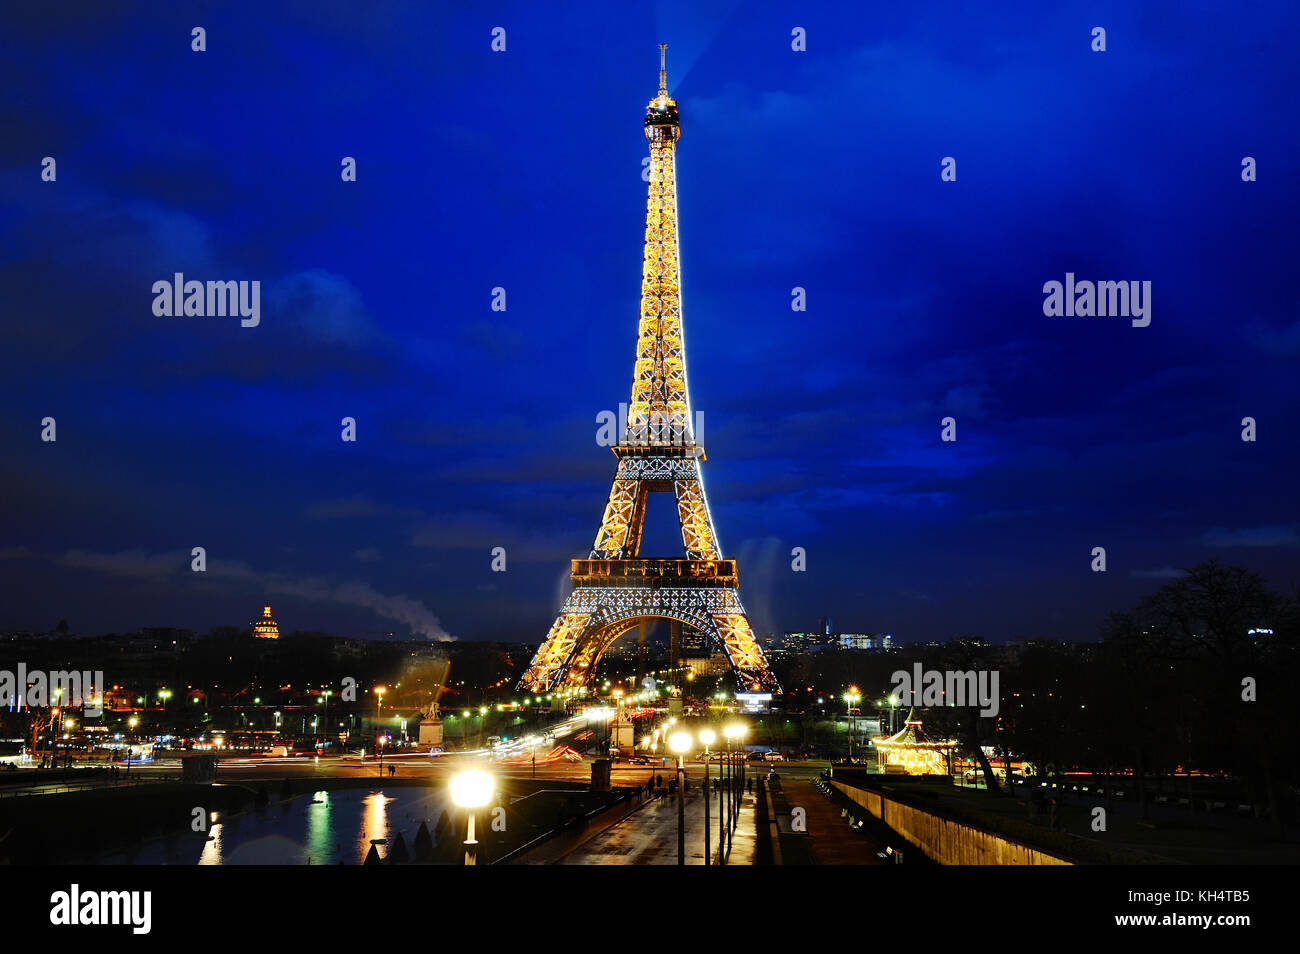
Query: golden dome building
{"points": [[266, 628]]}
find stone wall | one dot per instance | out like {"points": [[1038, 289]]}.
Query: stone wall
{"points": [[943, 840]]}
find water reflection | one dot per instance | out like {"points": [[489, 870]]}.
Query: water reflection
{"points": [[320, 840], [374, 822], [326, 827], [212, 847]]}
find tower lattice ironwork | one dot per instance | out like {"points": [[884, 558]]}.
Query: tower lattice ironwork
{"points": [[616, 588]]}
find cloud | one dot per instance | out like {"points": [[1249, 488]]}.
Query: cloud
{"points": [[138, 564], [483, 531], [1157, 573], [327, 306], [1283, 342], [343, 507], [1276, 536]]}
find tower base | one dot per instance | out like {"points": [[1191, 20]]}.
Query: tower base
{"points": [[593, 617]]}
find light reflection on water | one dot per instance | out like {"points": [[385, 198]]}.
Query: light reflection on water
{"points": [[322, 828]]}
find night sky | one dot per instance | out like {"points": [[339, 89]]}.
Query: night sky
{"points": [[522, 169]]}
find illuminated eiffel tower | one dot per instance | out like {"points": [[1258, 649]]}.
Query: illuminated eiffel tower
{"points": [[617, 589]]}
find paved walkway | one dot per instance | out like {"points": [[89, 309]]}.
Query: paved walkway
{"points": [[828, 840], [649, 835]]}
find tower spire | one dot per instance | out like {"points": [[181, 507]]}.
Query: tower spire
{"points": [[663, 69]]}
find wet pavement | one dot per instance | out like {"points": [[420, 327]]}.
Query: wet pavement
{"points": [[649, 835]]}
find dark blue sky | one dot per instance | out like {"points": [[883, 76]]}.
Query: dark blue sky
{"points": [[522, 169]]}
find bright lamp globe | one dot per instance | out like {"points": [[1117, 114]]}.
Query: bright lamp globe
{"points": [[472, 788]]}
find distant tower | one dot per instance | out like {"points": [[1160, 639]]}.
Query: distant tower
{"points": [[265, 628], [616, 589]]}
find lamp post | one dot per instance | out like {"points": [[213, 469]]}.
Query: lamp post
{"points": [[734, 732], [471, 789], [851, 697], [707, 737], [731, 796], [131, 723], [741, 732], [325, 694], [680, 743]]}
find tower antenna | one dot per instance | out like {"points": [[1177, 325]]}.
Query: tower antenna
{"points": [[663, 69]]}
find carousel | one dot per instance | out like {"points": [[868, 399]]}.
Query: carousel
{"points": [[912, 752]]}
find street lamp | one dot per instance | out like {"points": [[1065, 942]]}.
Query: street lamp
{"points": [[707, 737], [734, 732], [325, 694], [738, 731], [379, 708], [131, 724], [471, 789], [852, 697], [680, 742]]}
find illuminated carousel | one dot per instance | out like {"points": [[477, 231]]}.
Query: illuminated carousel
{"points": [[912, 752]]}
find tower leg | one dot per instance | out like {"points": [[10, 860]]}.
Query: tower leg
{"points": [[674, 648], [640, 657], [548, 665]]}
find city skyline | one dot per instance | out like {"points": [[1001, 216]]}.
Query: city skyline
{"points": [[478, 429]]}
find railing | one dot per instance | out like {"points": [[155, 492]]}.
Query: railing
{"points": [[580, 821], [719, 572], [54, 788]]}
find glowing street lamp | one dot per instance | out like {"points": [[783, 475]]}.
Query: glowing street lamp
{"points": [[736, 733], [680, 742], [707, 738], [852, 697], [471, 789], [325, 697]]}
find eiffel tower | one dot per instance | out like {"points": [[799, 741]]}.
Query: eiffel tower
{"points": [[616, 588]]}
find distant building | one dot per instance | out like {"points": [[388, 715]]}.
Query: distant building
{"points": [[712, 665], [266, 628]]}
